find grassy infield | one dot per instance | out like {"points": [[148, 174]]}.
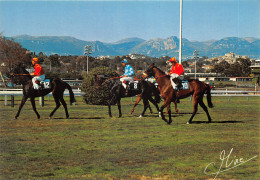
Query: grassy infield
{"points": [[90, 145]]}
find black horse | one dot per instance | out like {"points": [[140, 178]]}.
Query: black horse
{"points": [[117, 91], [20, 75]]}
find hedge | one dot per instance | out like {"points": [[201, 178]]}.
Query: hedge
{"points": [[94, 95]]}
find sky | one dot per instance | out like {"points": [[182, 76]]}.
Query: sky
{"points": [[111, 21]]}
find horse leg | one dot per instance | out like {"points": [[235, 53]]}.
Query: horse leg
{"points": [[111, 101], [109, 110], [204, 107], [166, 103], [167, 111], [139, 97], [195, 108], [176, 109], [65, 107], [57, 101], [24, 99], [146, 104], [151, 111], [119, 107], [109, 105], [34, 107], [154, 103]]}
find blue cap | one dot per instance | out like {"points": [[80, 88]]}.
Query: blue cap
{"points": [[124, 61]]}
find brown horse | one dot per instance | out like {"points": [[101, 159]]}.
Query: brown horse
{"points": [[197, 90]]}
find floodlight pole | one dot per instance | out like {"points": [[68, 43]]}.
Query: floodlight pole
{"points": [[87, 51], [180, 41]]}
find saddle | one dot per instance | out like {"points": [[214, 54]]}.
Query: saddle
{"points": [[181, 85], [45, 84], [133, 85]]}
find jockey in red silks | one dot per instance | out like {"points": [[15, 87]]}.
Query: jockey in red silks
{"points": [[38, 74], [177, 71]]}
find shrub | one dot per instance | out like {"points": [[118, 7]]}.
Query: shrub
{"points": [[94, 95]]}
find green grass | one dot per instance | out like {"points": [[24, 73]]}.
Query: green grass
{"points": [[90, 145]]}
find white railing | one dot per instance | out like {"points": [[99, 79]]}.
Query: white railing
{"points": [[78, 92], [234, 93], [19, 92]]}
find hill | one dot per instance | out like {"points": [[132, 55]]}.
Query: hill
{"points": [[65, 45]]}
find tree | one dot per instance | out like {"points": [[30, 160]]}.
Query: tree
{"points": [[221, 67], [245, 66], [54, 59], [12, 54]]}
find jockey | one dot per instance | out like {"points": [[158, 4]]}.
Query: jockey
{"points": [[128, 75], [176, 72], [38, 74]]}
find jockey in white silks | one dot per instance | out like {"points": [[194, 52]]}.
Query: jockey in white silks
{"points": [[128, 76]]}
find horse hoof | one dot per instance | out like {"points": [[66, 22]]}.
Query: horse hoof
{"points": [[187, 123], [15, 118], [140, 116]]}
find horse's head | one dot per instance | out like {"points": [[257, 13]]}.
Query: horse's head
{"points": [[150, 72], [19, 74]]}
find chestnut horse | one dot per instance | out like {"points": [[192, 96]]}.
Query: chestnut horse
{"points": [[197, 90]]}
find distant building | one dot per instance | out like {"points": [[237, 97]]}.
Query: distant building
{"points": [[255, 70]]}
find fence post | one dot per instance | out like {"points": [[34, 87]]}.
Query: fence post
{"points": [[12, 100], [6, 100], [41, 101]]}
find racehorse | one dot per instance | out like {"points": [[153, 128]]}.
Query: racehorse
{"points": [[117, 91], [197, 90], [20, 75]]}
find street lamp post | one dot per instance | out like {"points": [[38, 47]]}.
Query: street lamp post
{"points": [[195, 54], [87, 51]]}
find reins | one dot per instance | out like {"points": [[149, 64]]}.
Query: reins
{"points": [[109, 80], [161, 76], [20, 74]]}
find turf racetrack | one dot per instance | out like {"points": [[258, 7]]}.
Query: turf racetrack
{"points": [[90, 145]]}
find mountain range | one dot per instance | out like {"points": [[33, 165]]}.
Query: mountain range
{"points": [[66, 45]]}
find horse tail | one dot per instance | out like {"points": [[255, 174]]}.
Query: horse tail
{"points": [[210, 104], [72, 97]]}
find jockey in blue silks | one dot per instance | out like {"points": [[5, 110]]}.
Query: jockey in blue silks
{"points": [[128, 75]]}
